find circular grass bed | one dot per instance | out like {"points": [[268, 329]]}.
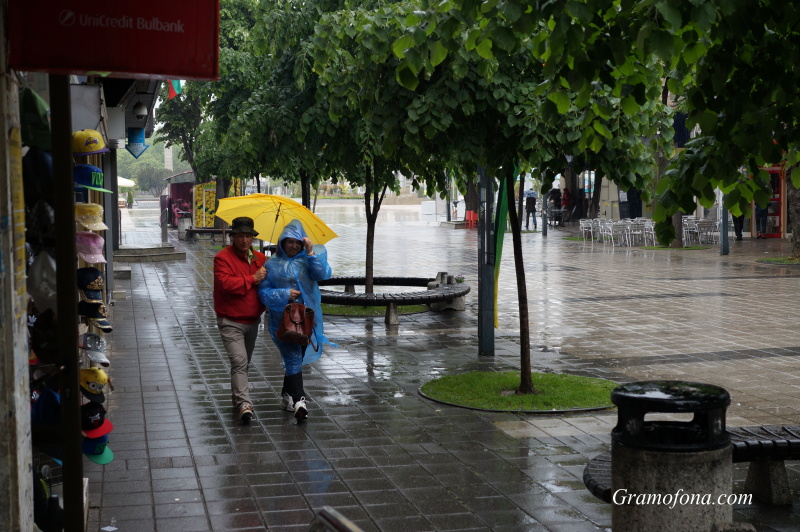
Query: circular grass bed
{"points": [[789, 261], [494, 391]]}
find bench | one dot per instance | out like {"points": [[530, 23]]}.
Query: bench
{"points": [[765, 447], [191, 232], [439, 292]]}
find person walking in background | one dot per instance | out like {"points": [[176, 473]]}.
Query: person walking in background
{"points": [[762, 213], [238, 269], [530, 210], [738, 225], [293, 274]]}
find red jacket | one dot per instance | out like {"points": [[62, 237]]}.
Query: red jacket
{"points": [[235, 294]]}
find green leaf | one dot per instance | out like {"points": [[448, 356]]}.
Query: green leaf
{"points": [[561, 99], [580, 11], [602, 129], [405, 76], [795, 174], [629, 105], [438, 53], [402, 44], [670, 14], [505, 39], [484, 49], [692, 53], [663, 45]]}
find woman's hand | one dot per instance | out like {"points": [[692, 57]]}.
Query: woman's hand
{"points": [[308, 245], [293, 294]]}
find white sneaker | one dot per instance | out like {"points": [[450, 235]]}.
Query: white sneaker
{"points": [[287, 403], [300, 410]]}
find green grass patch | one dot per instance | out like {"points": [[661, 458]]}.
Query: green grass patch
{"points": [[366, 312], [576, 238], [495, 391], [688, 248], [779, 260]]}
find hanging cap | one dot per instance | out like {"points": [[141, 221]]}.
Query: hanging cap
{"points": [[35, 119], [87, 142], [90, 284], [89, 176], [90, 246], [97, 314], [93, 420], [90, 215], [42, 281], [97, 450], [92, 381], [94, 347]]}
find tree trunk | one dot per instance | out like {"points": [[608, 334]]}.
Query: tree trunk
{"points": [[520, 200], [471, 198], [223, 185], [305, 189], [526, 382], [594, 207], [372, 204], [793, 210]]}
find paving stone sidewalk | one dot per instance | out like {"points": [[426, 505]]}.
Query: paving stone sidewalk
{"points": [[377, 451]]}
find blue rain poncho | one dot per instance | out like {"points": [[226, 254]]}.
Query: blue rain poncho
{"points": [[300, 272]]}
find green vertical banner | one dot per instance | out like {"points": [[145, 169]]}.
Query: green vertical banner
{"points": [[499, 235]]}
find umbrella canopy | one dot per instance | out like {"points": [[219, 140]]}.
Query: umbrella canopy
{"points": [[271, 214], [124, 183]]}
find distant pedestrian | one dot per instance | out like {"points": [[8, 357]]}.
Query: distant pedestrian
{"points": [[530, 211], [738, 226], [293, 274], [238, 269], [762, 213]]}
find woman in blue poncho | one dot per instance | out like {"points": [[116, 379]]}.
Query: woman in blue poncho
{"points": [[292, 277]]}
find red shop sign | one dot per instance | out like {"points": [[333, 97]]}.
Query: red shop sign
{"points": [[143, 39]]}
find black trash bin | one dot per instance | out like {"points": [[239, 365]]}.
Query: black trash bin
{"points": [[704, 432], [665, 471]]}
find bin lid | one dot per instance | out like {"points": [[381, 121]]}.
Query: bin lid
{"points": [[670, 396]]}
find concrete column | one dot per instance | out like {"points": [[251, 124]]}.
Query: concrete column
{"points": [[16, 485]]}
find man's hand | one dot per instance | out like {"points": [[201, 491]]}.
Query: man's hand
{"points": [[260, 274]]}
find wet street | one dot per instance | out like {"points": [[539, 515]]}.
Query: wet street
{"points": [[373, 448]]}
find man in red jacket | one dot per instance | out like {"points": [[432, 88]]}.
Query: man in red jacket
{"points": [[238, 269]]}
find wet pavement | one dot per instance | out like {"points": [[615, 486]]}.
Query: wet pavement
{"points": [[381, 454]]}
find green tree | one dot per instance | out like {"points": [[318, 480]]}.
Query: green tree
{"points": [[471, 108]]}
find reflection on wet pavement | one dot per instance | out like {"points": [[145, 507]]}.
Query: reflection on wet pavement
{"points": [[373, 448]]}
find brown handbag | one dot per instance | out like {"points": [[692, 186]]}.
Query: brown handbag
{"points": [[297, 324]]}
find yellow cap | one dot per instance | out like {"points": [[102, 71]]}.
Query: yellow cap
{"points": [[87, 142], [90, 215]]}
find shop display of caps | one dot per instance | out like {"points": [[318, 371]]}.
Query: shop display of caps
{"points": [[90, 247], [89, 176], [90, 216], [97, 315], [88, 142], [94, 347], [92, 381]]}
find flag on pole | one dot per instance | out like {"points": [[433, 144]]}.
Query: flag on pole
{"points": [[499, 233], [174, 86]]}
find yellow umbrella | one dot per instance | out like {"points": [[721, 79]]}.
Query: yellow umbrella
{"points": [[271, 214]]}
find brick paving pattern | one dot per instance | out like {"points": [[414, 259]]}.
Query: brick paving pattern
{"points": [[377, 451]]}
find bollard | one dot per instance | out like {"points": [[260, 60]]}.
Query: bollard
{"points": [[664, 473]]}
